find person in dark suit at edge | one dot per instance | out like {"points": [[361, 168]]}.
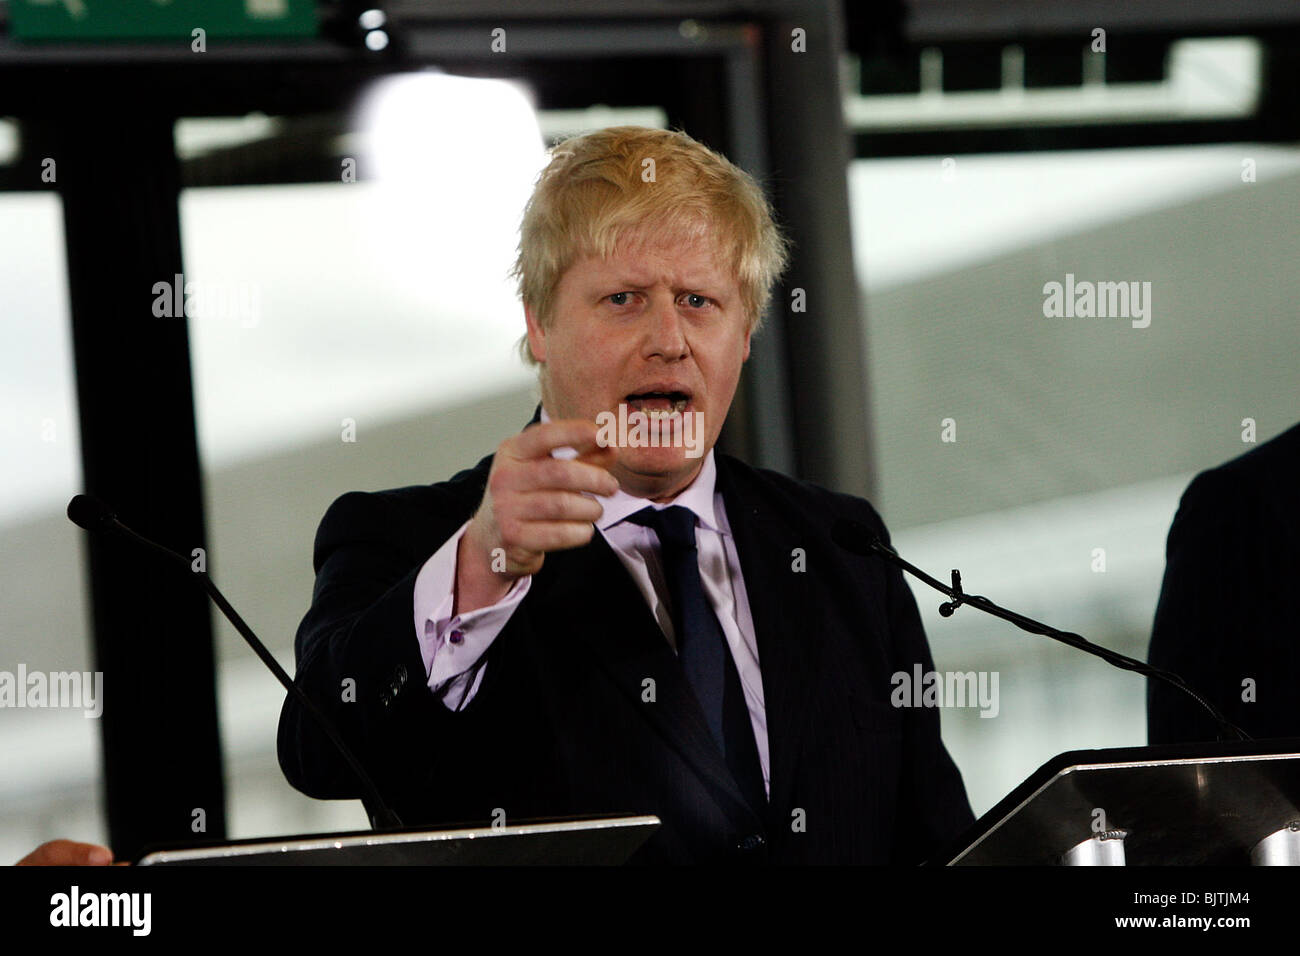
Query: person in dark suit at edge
{"points": [[1226, 620], [583, 624]]}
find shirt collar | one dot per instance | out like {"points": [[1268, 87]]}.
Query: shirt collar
{"points": [[697, 496]]}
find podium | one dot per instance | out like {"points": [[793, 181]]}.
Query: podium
{"points": [[1223, 804], [569, 842]]}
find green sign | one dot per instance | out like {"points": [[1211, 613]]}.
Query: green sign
{"points": [[159, 19]]}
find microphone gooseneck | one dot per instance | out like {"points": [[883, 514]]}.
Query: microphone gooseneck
{"points": [[94, 515], [857, 538]]}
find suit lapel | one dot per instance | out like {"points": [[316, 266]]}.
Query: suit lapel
{"points": [[790, 643], [624, 638]]}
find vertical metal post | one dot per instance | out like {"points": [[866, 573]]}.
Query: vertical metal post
{"points": [[809, 154], [119, 180], [766, 397]]}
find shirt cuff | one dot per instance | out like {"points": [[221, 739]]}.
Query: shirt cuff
{"points": [[451, 645]]}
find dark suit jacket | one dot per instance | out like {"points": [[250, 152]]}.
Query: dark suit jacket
{"points": [[1227, 607], [560, 725]]}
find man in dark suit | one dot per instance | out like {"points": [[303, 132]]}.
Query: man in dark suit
{"points": [[1226, 621], [601, 620]]}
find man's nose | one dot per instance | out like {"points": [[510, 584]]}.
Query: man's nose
{"points": [[666, 334]]}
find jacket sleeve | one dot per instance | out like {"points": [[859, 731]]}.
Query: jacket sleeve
{"points": [[358, 658], [1210, 622]]}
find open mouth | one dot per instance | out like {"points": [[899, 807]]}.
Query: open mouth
{"points": [[659, 404]]}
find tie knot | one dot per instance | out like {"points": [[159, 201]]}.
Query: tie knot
{"points": [[674, 525]]}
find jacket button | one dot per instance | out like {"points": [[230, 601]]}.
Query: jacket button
{"points": [[751, 842], [396, 684]]}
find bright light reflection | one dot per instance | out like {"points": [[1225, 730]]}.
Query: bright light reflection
{"points": [[454, 161]]}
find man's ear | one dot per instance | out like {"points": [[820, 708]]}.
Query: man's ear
{"points": [[748, 333], [536, 335]]}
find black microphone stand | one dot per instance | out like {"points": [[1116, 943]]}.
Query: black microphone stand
{"points": [[957, 597]]}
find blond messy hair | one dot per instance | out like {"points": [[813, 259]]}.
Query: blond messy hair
{"points": [[595, 193]]}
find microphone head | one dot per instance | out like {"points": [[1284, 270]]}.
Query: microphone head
{"points": [[855, 537], [89, 512]]}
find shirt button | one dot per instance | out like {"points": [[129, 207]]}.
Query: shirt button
{"points": [[456, 636]]}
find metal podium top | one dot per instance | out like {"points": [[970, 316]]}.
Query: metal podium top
{"points": [[587, 841], [1182, 805]]}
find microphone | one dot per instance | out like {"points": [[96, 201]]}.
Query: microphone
{"points": [[852, 536], [89, 512], [857, 538]]}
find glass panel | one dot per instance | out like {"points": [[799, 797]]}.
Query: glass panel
{"points": [[1072, 438], [49, 747]]}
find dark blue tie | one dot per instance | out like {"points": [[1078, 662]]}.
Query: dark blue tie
{"points": [[702, 648]]}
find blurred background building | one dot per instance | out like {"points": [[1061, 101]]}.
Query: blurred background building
{"points": [[357, 233]]}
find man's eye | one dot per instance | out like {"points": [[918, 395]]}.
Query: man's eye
{"points": [[619, 298], [696, 301]]}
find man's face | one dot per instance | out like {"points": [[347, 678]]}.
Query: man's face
{"points": [[658, 328]]}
